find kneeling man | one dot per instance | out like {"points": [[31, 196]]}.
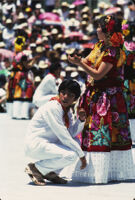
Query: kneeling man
{"points": [[51, 136]]}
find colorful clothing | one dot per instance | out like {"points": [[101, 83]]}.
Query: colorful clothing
{"points": [[20, 86], [107, 125], [129, 79], [106, 139], [20, 92]]}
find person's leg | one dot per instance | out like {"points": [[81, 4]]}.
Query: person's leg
{"points": [[58, 157], [25, 110], [52, 158], [17, 105]]}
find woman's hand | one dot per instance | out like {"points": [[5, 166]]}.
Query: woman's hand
{"points": [[84, 162], [81, 114], [75, 60]]}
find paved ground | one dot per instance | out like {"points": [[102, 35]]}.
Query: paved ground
{"points": [[16, 185]]}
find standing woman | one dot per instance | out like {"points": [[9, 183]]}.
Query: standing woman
{"points": [[22, 88], [106, 136]]}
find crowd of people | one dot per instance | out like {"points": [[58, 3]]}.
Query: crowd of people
{"points": [[49, 50]]}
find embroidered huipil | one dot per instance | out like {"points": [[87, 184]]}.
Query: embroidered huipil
{"points": [[107, 125]]}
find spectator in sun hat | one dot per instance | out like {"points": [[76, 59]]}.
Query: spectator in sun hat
{"points": [[64, 11], [8, 34], [47, 87], [64, 61]]}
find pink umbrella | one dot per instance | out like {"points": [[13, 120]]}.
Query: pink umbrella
{"points": [[49, 16], [88, 45], [51, 22], [5, 53], [76, 34], [112, 10], [78, 2]]}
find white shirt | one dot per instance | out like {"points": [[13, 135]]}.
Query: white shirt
{"points": [[47, 126], [46, 89]]}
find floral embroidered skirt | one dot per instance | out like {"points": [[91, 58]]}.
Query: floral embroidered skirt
{"points": [[105, 139], [107, 124]]}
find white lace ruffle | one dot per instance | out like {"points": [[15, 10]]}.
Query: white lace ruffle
{"points": [[103, 167]]}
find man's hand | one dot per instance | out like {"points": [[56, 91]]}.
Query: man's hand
{"points": [[84, 162], [82, 114]]}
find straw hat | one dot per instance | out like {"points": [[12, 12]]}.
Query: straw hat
{"points": [[54, 31], [2, 44], [37, 79], [40, 49], [63, 57], [42, 64], [70, 51], [74, 74], [57, 46], [64, 4], [8, 21]]}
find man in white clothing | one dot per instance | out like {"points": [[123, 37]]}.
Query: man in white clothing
{"points": [[47, 88], [51, 136]]}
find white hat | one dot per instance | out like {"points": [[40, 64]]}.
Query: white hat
{"points": [[85, 16], [73, 22], [37, 79], [72, 6], [42, 64], [40, 49], [74, 74], [85, 9], [38, 6], [2, 44], [8, 21], [57, 46], [54, 31], [64, 4], [69, 68], [45, 32], [84, 22], [21, 16], [63, 73], [122, 2], [96, 10], [71, 12], [32, 45], [85, 37], [63, 57], [70, 51], [39, 41], [44, 38], [81, 69]]}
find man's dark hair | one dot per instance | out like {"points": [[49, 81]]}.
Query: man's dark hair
{"points": [[72, 86], [54, 67]]}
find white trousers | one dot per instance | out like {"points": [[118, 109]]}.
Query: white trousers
{"points": [[51, 156], [21, 109]]}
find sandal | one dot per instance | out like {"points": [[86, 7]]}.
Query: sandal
{"points": [[54, 178], [35, 175]]}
